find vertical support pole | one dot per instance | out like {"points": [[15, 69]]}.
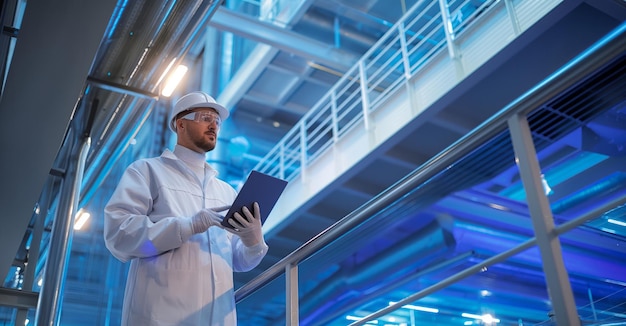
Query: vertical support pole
{"points": [[50, 298], [559, 287], [333, 115], [449, 31], [337, 32], [405, 52], [406, 62], [510, 10], [365, 99], [303, 150], [447, 28], [281, 159], [292, 308]]}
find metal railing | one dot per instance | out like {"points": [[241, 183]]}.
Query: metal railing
{"points": [[612, 46], [426, 30]]}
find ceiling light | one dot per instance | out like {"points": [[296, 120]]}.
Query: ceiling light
{"points": [[173, 80], [498, 207], [486, 318], [418, 308], [80, 219], [616, 222]]}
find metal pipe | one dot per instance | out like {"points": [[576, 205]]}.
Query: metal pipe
{"points": [[121, 89], [598, 55], [33, 251], [49, 303], [292, 308], [488, 262]]}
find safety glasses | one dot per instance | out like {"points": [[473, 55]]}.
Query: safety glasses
{"points": [[203, 117]]}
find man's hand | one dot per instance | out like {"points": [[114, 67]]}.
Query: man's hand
{"points": [[248, 228], [206, 218]]}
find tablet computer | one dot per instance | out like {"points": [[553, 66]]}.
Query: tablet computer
{"points": [[261, 188]]}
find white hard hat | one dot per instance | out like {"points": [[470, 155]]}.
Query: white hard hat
{"points": [[196, 100]]}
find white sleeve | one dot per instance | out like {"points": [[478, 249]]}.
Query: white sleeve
{"points": [[129, 232], [247, 258]]}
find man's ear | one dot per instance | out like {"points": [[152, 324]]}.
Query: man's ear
{"points": [[179, 124]]}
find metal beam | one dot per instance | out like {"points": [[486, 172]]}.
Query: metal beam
{"points": [[18, 298], [282, 39]]}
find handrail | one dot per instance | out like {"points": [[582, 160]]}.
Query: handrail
{"points": [[384, 66], [597, 56], [579, 220]]}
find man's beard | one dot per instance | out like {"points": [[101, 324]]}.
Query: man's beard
{"points": [[204, 144]]}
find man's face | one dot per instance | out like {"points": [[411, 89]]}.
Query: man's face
{"points": [[198, 130]]}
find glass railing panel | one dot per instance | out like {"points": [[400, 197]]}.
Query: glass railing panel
{"points": [[594, 262], [433, 232], [272, 298], [509, 293]]}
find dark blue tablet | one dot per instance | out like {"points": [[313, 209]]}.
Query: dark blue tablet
{"points": [[259, 187]]}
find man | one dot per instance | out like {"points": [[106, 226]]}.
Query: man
{"points": [[164, 217]]}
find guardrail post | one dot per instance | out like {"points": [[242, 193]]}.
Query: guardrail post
{"points": [[333, 115], [557, 279], [281, 159], [510, 10], [365, 99], [303, 150], [449, 31], [292, 307], [405, 53]]}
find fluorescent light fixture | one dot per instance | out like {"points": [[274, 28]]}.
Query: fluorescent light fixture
{"points": [[608, 230], [616, 222], [486, 318], [418, 308], [80, 219], [166, 71], [499, 207], [173, 80]]}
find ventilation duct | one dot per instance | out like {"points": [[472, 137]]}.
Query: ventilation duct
{"points": [[352, 282]]}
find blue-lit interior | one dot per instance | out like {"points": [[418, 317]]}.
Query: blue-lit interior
{"points": [[464, 215]]}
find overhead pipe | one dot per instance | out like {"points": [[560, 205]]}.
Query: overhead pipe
{"points": [[377, 271], [328, 316], [129, 125], [610, 185]]}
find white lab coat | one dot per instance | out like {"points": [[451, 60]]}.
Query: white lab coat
{"points": [[175, 277]]}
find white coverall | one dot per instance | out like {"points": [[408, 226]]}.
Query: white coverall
{"points": [[175, 277]]}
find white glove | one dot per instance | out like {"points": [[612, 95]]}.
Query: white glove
{"points": [[248, 228], [206, 218]]}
